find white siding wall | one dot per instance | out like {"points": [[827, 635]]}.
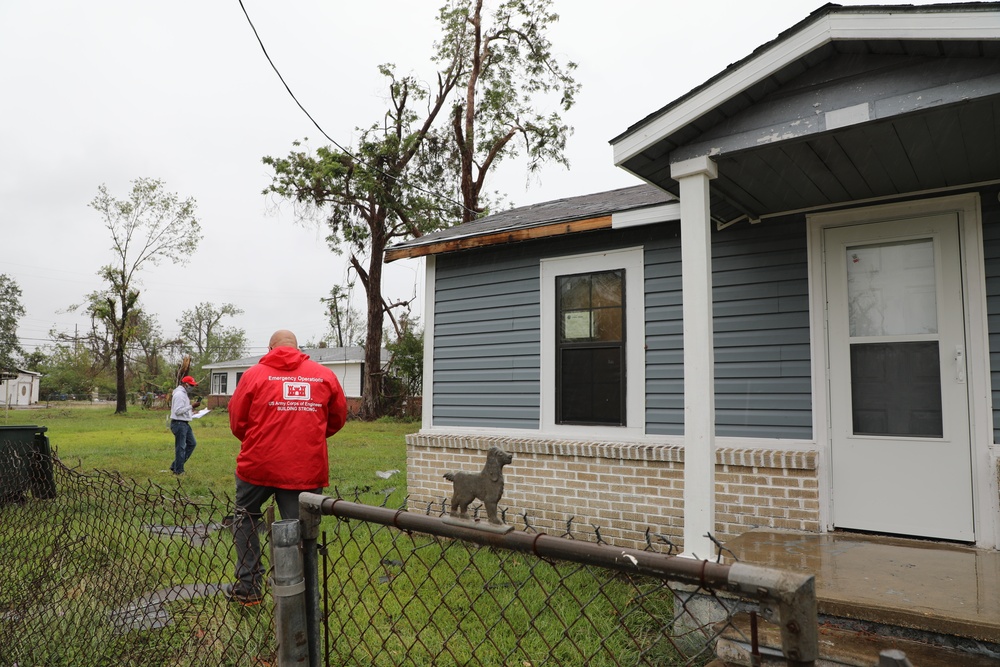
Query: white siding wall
{"points": [[349, 376], [22, 391]]}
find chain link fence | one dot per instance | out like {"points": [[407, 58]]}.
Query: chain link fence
{"points": [[102, 570], [399, 587]]}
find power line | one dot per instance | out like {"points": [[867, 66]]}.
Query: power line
{"points": [[343, 150]]}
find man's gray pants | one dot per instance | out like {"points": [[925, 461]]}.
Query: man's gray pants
{"points": [[246, 523]]}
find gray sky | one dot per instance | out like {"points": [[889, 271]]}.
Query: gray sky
{"points": [[109, 91]]}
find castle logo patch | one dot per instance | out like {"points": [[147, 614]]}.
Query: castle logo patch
{"points": [[297, 391]]}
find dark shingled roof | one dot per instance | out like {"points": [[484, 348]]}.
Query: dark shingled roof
{"points": [[569, 209]]}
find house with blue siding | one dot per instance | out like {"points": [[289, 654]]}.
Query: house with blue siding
{"points": [[791, 321]]}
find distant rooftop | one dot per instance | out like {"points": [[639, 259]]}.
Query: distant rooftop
{"points": [[322, 355]]}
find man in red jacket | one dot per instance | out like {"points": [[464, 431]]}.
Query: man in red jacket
{"points": [[282, 411]]}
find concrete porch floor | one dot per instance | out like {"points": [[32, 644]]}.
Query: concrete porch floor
{"points": [[932, 587]]}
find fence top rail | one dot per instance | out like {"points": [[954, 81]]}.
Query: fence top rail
{"points": [[750, 580], [787, 598]]}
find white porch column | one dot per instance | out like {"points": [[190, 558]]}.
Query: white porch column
{"points": [[699, 355]]}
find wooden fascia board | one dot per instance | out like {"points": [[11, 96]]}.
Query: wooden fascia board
{"points": [[500, 238], [841, 26]]}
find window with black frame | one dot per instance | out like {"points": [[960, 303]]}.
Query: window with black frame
{"points": [[590, 348]]}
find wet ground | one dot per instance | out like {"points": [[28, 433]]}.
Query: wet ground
{"points": [[927, 586]]}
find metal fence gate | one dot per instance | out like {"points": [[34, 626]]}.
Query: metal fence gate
{"points": [[392, 587]]}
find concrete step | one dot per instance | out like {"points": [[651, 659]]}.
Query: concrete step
{"points": [[930, 589], [838, 647]]}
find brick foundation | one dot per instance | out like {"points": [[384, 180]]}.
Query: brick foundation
{"points": [[622, 488]]}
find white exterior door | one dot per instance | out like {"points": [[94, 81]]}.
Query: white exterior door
{"points": [[899, 405]]}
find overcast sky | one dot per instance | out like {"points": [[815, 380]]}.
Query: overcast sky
{"points": [[107, 91]]}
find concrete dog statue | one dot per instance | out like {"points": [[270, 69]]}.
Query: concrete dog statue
{"points": [[486, 485]]}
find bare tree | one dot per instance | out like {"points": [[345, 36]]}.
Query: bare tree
{"points": [[345, 322]]}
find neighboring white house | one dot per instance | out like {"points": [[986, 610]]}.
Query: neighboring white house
{"points": [[19, 387], [346, 362]]}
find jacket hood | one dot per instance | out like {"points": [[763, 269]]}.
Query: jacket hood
{"points": [[284, 358]]}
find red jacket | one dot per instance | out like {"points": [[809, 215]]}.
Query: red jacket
{"points": [[283, 410]]}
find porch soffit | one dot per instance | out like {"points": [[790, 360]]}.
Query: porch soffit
{"points": [[848, 120]]}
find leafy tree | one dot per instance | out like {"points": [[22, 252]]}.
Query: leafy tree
{"points": [[99, 340], [148, 226], [148, 369], [205, 338], [407, 357], [433, 141], [367, 207], [70, 370], [11, 311], [508, 65], [34, 360]]}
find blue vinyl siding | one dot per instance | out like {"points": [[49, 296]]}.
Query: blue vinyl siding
{"points": [[991, 257], [763, 379], [664, 337], [487, 342], [761, 309], [487, 338]]}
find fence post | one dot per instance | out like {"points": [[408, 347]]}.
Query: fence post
{"points": [[788, 599], [288, 591], [310, 513], [893, 658]]}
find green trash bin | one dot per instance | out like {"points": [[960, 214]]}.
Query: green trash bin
{"points": [[25, 463]]}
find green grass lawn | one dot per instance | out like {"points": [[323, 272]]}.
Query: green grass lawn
{"points": [[139, 445], [392, 597]]}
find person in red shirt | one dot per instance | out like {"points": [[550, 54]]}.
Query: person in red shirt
{"points": [[283, 410]]}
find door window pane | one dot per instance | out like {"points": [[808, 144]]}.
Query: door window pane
{"points": [[891, 289], [896, 389]]}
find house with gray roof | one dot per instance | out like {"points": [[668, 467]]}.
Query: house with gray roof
{"points": [[347, 363], [790, 322]]}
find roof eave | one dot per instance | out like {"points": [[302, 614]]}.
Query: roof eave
{"points": [[616, 220], [820, 29]]}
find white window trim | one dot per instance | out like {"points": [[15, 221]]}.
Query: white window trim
{"points": [[217, 380], [630, 259]]}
